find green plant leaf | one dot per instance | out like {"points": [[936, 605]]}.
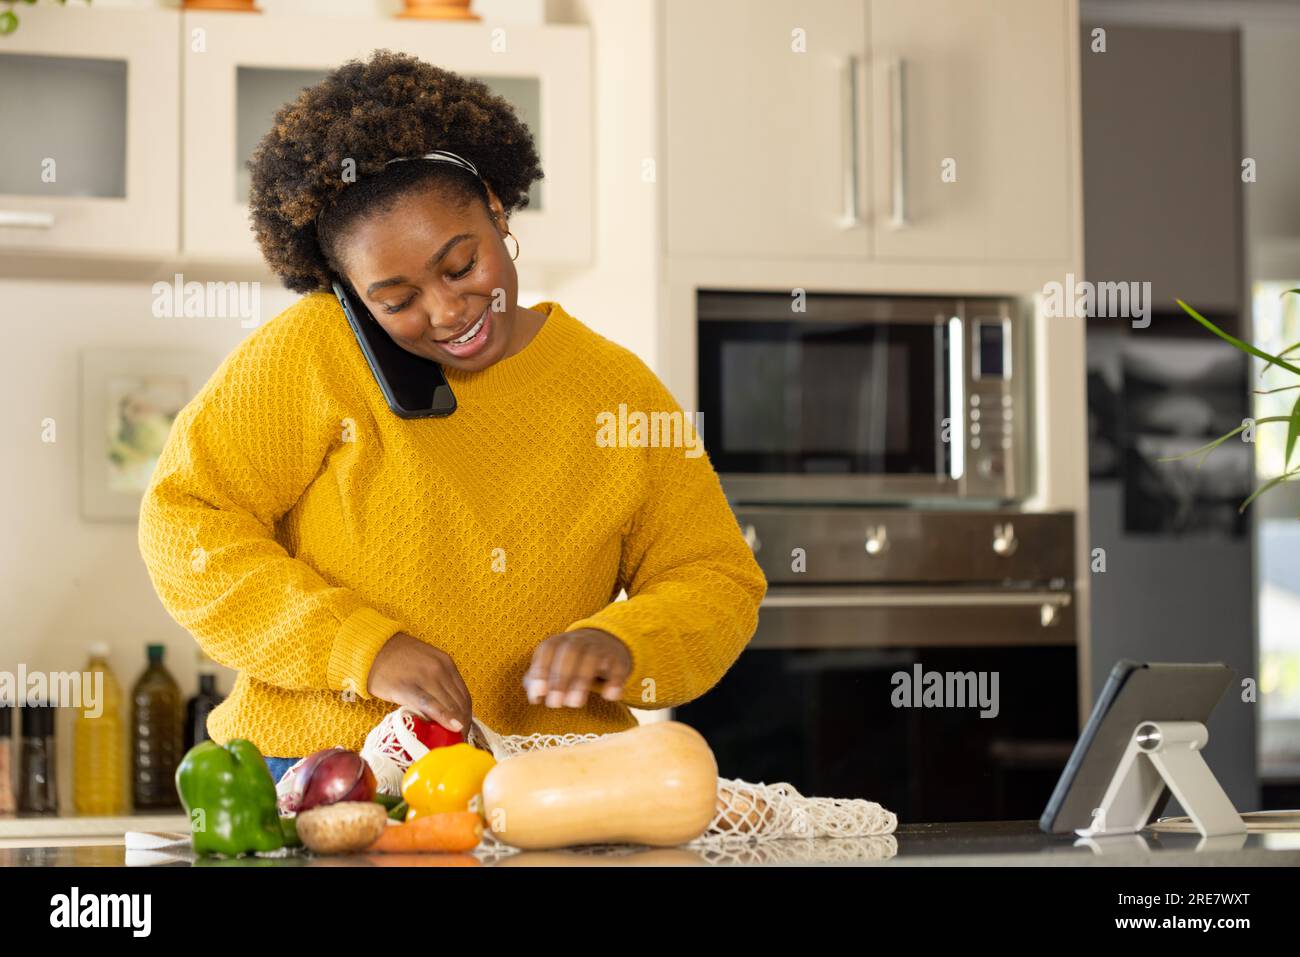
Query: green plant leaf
{"points": [[1211, 446], [8, 22], [1281, 355], [1276, 480], [1204, 449], [1292, 431], [1295, 345], [1234, 341]]}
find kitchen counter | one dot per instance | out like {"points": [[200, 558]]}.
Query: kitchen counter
{"points": [[961, 844], [76, 829]]}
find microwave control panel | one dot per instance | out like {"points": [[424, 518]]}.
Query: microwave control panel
{"points": [[993, 407]]}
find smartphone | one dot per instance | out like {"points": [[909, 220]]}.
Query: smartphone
{"points": [[413, 386]]}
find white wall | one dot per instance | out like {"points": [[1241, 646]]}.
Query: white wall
{"points": [[65, 582], [1271, 132], [618, 296]]}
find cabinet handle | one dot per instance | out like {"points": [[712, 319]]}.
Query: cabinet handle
{"points": [[849, 126], [898, 143], [25, 219]]}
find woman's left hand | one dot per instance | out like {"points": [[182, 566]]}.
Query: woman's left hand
{"points": [[566, 665]]}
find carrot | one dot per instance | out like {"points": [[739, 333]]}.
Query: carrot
{"points": [[448, 832]]}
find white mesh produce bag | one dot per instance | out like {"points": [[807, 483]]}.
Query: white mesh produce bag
{"points": [[391, 747], [748, 813]]}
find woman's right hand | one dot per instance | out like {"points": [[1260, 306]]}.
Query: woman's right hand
{"points": [[418, 676]]}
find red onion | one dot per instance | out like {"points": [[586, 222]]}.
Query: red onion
{"points": [[334, 775]]}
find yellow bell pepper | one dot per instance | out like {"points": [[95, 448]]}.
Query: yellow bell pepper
{"points": [[445, 779]]}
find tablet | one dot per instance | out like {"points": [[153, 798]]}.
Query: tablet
{"points": [[1134, 693]]}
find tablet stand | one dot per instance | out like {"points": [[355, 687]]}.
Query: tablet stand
{"points": [[1164, 753]]}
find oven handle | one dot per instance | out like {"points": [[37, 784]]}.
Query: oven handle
{"points": [[898, 597], [870, 598]]}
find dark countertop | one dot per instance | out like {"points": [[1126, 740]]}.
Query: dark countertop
{"points": [[960, 844]]}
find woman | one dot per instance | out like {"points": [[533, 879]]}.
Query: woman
{"points": [[345, 560]]}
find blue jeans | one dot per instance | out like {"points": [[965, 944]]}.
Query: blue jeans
{"points": [[278, 766]]}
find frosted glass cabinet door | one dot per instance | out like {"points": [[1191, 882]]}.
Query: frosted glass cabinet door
{"points": [[239, 71], [89, 159]]}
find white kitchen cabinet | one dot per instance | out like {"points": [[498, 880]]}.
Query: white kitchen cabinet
{"points": [[89, 151], [239, 70], [977, 90], [840, 152], [765, 128]]}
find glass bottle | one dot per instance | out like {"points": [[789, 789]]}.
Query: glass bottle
{"points": [[7, 803], [156, 716], [99, 745], [199, 707], [37, 793]]}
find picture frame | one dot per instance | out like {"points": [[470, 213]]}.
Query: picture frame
{"points": [[129, 399]]}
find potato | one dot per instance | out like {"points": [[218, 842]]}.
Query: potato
{"points": [[343, 828]]}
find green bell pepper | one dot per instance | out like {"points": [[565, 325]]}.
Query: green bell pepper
{"points": [[230, 798]]}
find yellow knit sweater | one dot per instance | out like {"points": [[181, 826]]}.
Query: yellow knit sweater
{"points": [[294, 524]]}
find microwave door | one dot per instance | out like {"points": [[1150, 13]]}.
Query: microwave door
{"points": [[830, 410]]}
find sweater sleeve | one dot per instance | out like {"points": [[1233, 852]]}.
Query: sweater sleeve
{"points": [[237, 458], [693, 585]]}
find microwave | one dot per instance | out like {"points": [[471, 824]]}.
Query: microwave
{"points": [[863, 399]]}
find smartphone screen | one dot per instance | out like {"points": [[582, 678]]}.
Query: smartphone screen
{"points": [[413, 386]]}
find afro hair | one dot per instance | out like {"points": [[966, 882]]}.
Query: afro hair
{"points": [[326, 153]]}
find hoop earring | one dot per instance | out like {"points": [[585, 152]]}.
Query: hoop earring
{"points": [[516, 239]]}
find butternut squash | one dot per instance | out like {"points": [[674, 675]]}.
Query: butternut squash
{"points": [[654, 784]]}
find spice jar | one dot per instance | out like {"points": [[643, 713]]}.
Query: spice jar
{"points": [[7, 805], [37, 793]]}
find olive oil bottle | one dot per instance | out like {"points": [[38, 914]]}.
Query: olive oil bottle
{"points": [[99, 745], [157, 714]]}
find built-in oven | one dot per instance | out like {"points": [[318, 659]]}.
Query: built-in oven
{"points": [[830, 397], [925, 659]]}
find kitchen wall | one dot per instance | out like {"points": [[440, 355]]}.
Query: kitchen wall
{"points": [[1270, 35], [65, 582]]}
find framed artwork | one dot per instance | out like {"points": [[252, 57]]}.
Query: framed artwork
{"points": [[1177, 396], [129, 399]]}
